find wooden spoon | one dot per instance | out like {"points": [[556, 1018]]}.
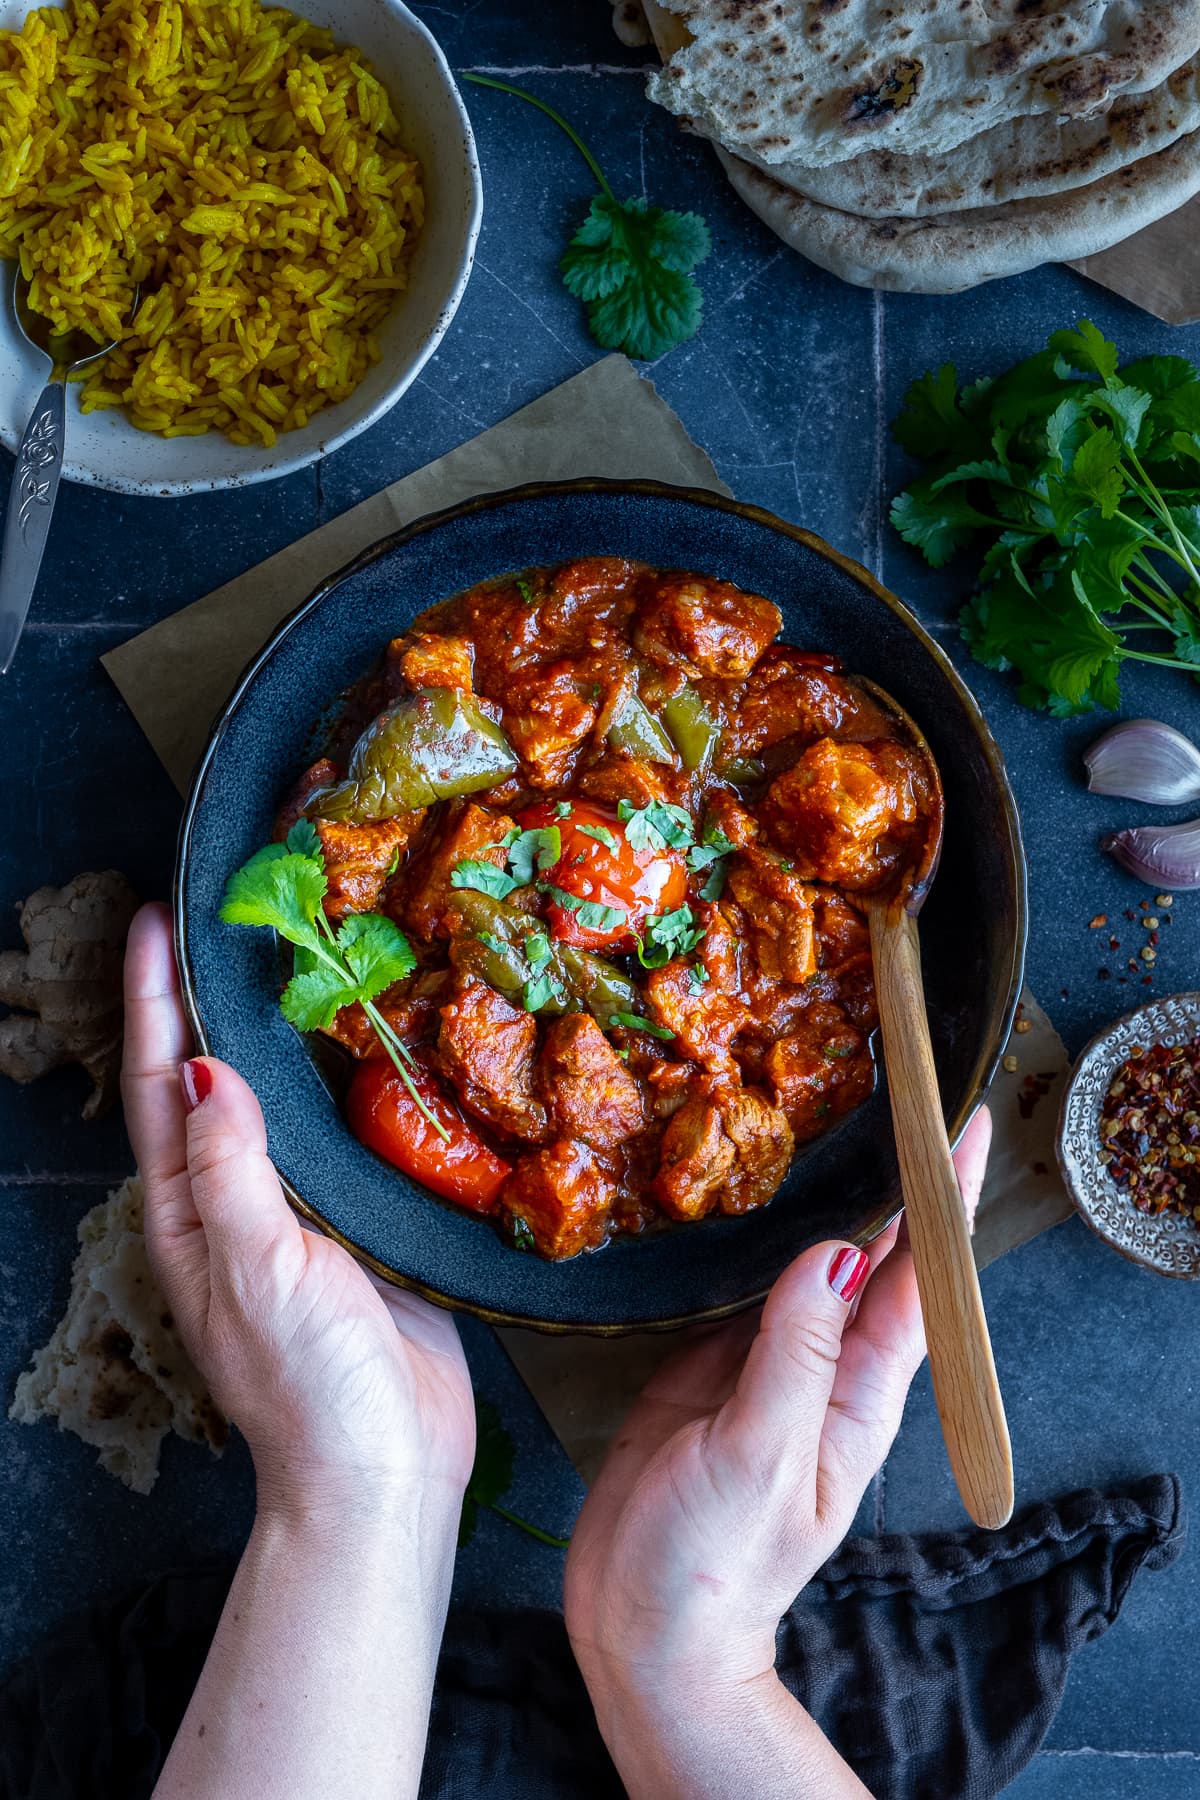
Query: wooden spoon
{"points": [[968, 1396]]}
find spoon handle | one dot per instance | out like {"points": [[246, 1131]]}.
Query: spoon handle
{"points": [[30, 504], [960, 1352]]}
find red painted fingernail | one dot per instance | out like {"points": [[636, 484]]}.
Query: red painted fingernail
{"points": [[195, 1078], [847, 1272]]}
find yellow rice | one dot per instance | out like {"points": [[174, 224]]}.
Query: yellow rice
{"points": [[241, 168]]}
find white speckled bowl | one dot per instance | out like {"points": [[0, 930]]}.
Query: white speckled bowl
{"points": [[1166, 1241], [106, 451]]}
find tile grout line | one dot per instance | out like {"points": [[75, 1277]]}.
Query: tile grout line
{"points": [[1085, 1750], [642, 69], [878, 363], [47, 1178]]}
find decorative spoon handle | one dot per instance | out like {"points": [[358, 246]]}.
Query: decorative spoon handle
{"points": [[30, 505], [960, 1352]]}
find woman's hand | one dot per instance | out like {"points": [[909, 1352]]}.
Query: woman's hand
{"points": [[737, 1473], [347, 1391]]}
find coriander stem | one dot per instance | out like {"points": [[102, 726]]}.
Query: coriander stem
{"points": [[1164, 662], [544, 1537], [506, 87]]}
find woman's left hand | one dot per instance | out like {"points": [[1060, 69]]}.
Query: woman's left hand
{"points": [[347, 1390]]}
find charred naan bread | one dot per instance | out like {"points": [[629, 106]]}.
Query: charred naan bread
{"points": [[942, 253], [820, 81], [114, 1371], [1023, 159]]}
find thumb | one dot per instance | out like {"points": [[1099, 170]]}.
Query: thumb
{"points": [[234, 1185], [773, 1422]]}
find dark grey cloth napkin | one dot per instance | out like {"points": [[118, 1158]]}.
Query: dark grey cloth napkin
{"points": [[935, 1664]]}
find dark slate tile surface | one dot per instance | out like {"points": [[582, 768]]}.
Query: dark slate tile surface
{"points": [[790, 386]]}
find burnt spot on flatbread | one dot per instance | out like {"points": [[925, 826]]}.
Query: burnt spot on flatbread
{"points": [[897, 90], [1082, 87], [120, 1382]]}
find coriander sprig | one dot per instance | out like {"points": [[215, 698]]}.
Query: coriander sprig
{"points": [[283, 888], [631, 264], [1084, 479]]}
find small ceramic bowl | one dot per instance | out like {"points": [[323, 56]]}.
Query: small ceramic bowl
{"points": [[1167, 1241], [104, 450]]}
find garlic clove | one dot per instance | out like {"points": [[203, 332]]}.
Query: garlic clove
{"points": [[1143, 759], [1161, 855]]}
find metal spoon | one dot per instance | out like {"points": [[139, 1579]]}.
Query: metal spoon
{"points": [[969, 1402], [39, 464]]}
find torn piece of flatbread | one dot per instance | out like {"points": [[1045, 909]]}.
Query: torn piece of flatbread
{"points": [[1022, 159], [945, 253], [818, 81], [115, 1371]]}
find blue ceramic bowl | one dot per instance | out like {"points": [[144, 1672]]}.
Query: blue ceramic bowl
{"points": [[846, 1184]]}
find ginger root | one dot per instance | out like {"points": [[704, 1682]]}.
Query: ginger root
{"points": [[67, 984]]}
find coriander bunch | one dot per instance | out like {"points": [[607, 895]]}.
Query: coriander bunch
{"points": [[1080, 481]]}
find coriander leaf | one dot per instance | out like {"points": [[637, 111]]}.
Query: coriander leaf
{"points": [[632, 1022], [715, 845], [1159, 375], [938, 524], [310, 1000], [523, 1239], [973, 471], [931, 423], [495, 944], [1066, 429], [591, 913], [281, 889], [304, 839], [714, 887], [602, 835], [537, 949], [484, 877], [540, 848], [526, 592], [539, 991], [632, 266], [669, 935], [1096, 471], [492, 1472], [563, 809], [697, 976], [655, 826], [1087, 350], [1126, 407], [376, 952]]}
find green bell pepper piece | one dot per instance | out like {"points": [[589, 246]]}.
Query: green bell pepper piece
{"points": [[433, 745], [586, 980], [601, 987], [694, 731], [636, 732]]}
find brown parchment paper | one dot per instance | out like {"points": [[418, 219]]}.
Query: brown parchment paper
{"points": [[607, 421], [1157, 268]]}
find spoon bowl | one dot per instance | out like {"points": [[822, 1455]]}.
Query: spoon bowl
{"points": [[39, 462]]}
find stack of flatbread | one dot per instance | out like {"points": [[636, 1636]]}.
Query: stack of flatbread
{"points": [[929, 145]]}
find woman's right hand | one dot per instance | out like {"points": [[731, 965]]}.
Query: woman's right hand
{"points": [[350, 1393], [736, 1475]]}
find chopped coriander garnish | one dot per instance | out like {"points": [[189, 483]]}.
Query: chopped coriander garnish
{"points": [[592, 915], [393, 865], [833, 1050], [656, 826], [632, 1022], [698, 975], [496, 945], [563, 809], [537, 949], [526, 592], [539, 849], [668, 935], [602, 835], [484, 877], [522, 1236], [539, 991]]}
